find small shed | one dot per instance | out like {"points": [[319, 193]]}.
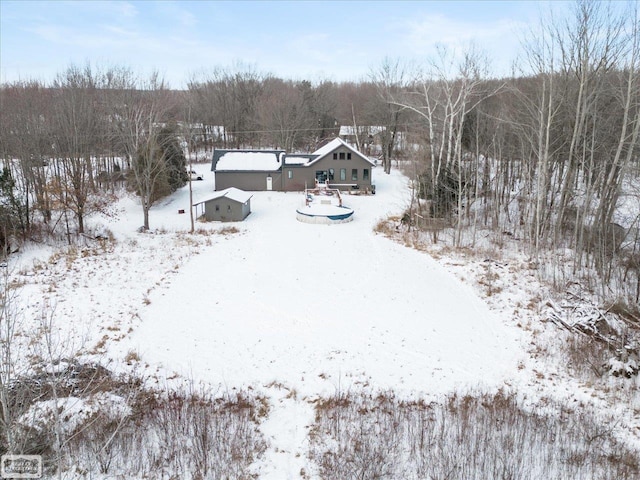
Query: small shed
{"points": [[228, 205]]}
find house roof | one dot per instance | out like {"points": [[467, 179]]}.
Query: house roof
{"points": [[332, 145], [298, 159], [232, 193], [247, 160], [272, 160]]}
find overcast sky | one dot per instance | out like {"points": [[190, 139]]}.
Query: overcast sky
{"points": [[334, 40]]}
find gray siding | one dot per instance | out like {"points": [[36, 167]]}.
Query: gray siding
{"points": [[301, 177], [228, 210], [304, 176], [308, 174], [248, 181]]}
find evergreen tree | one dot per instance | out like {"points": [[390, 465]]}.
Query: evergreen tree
{"points": [[12, 210], [176, 162]]}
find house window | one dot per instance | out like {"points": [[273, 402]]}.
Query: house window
{"points": [[335, 156], [343, 174], [365, 174], [354, 174], [217, 208], [228, 208], [289, 174], [348, 155], [341, 155], [331, 173], [321, 176]]}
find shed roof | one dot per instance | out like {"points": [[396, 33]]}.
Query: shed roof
{"points": [[232, 193]]}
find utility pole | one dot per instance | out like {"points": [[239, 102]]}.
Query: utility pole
{"points": [[189, 140]]}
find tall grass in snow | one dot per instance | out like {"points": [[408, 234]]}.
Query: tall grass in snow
{"points": [[471, 437]]}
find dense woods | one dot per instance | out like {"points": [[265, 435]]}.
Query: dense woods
{"points": [[548, 156]]}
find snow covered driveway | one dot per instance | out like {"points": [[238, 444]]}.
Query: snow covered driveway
{"points": [[318, 308]]}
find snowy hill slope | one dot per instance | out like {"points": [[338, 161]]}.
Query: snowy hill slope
{"points": [[292, 311]]}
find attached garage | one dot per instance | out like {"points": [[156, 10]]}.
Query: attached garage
{"points": [[253, 170]]}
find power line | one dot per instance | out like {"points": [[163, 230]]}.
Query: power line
{"points": [[406, 127]]}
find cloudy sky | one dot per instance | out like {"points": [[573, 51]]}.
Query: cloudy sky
{"points": [[334, 40]]}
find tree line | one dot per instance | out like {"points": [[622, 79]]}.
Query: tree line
{"points": [[66, 145], [551, 157]]}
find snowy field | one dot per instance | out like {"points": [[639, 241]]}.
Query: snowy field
{"points": [[313, 306], [291, 310]]}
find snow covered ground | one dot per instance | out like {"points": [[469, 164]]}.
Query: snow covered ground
{"points": [[316, 307], [292, 310]]}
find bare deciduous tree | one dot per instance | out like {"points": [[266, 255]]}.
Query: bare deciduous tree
{"points": [[391, 79], [76, 128], [138, 115]]}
